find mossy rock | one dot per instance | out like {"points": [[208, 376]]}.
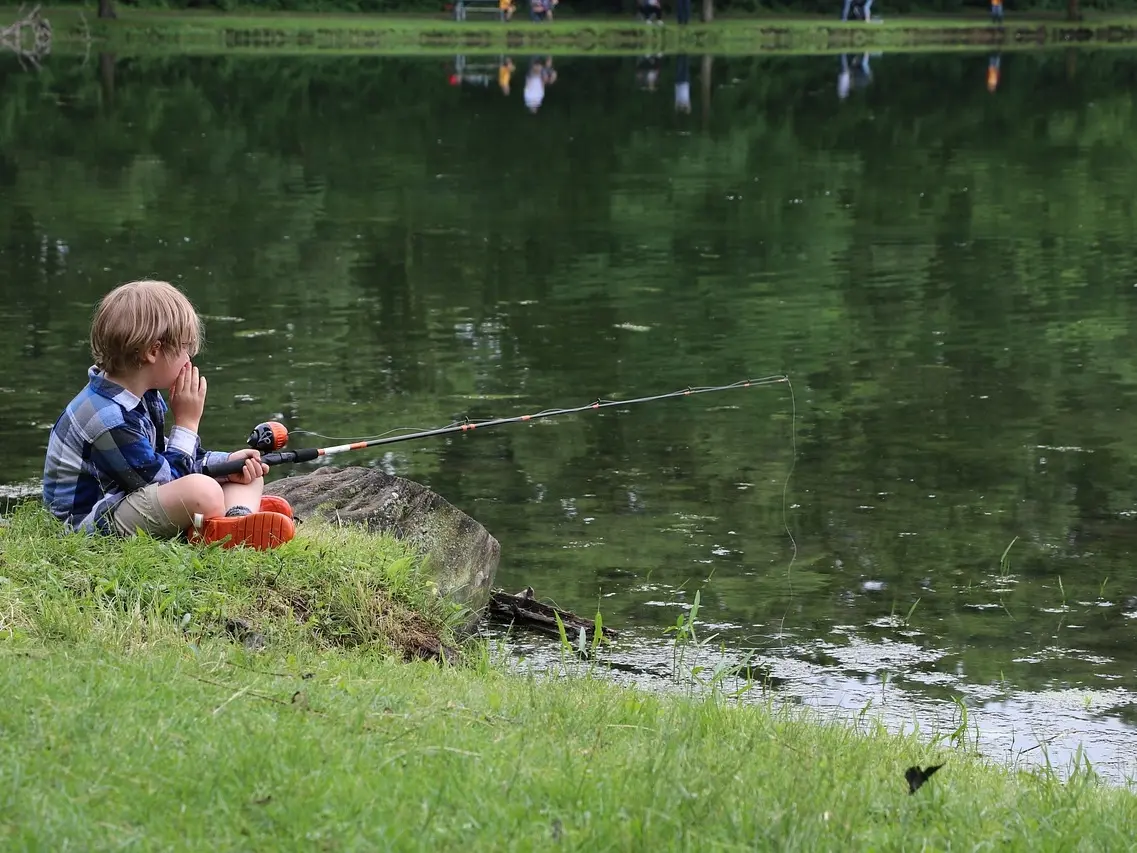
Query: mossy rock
{"points": [[461, 554]]}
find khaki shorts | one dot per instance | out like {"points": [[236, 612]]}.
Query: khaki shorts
{"points": [[142, 511]]}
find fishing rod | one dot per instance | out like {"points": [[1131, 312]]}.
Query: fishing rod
{"points": [[270, 437]]}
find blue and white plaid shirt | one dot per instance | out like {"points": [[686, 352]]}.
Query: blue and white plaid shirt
{"points": [[109, 443]]}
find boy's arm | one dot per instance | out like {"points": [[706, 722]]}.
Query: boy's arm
{"points": [[187, 402], [202, 457], [126, 455]]}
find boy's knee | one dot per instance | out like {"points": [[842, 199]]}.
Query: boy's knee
{"points": [[194, 493], [200, 484], [207, 494]]}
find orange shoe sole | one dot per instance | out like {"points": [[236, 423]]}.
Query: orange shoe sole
{"points": [[259, 530], [271, 503]]}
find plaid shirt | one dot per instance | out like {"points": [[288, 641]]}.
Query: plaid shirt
{"points": [[109, 443]]}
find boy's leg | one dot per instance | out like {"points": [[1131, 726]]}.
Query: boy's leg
{"points": [[143, 512], [165, 511], [239, 494], [196, 494], [192, 495]]}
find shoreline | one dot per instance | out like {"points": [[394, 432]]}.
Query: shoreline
{"points": [[148, 32]]}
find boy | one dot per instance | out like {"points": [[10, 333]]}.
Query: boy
{"points": [[111, 469]]}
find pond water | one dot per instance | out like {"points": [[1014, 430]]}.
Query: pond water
{"points": [[938, 506]]}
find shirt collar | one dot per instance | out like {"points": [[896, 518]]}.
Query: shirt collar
{"points": [[98, 382]]}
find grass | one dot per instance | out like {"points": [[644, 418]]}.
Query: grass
{"points": [[330, 588], [125, 728], [142, 31]]}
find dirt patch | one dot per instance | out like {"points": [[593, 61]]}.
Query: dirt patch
{"points": [[378, 619]]}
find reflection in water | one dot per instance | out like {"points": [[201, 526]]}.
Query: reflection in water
{"points": [[648, 69], [993, 63], [948, 281], [856, 72], [505, 71], [541, 74], [879, 679], [682, 84]]}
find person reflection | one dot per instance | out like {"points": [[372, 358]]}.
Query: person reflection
{"points": [[682, 84], [855, 73], [504, 75], [647, 71], [993, 62], [541, 74]]}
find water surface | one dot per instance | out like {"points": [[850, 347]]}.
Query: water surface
{"points": [[946, 274]]}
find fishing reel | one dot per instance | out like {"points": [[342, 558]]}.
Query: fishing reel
{"points": [[269, 436]]}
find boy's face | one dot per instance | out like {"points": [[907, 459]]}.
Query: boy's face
{"points": [[169, 365]]}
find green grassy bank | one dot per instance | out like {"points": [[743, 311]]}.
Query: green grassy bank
{"points": [[128, 724], [148, 31]]}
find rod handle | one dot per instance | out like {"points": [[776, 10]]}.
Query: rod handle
{"points": [[283, 457]]}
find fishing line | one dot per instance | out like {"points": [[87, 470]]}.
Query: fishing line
{"points": [[352, 438], [271, 436], [785, 513]]}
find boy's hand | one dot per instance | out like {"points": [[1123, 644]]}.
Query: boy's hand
{"points": [[187, 398], [253, 469]]}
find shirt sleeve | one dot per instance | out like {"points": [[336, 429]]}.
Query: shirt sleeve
{"points": [[209, 457], [126, 455], [183, 441]]}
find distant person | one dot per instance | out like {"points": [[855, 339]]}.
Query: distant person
{"points": [[993, 72], [652, 11], [507, 8], [997, 11], [542, 10], [505, 75], [857, 10], [682, 84], [683, 11]]}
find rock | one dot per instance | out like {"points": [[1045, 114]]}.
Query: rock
{"points": [[461, 552]]}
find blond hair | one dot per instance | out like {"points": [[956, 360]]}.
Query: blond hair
{"points": [[134, 316]]}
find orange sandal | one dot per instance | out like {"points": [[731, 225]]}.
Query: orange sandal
{"points": [[259, 530], [271, 503]]}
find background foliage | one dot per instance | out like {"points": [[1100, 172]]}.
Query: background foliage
{"points": [[585, 7]]}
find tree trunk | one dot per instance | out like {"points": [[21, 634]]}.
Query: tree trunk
{"points": [[106, 9], [1072, 12], [708, 11]]}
